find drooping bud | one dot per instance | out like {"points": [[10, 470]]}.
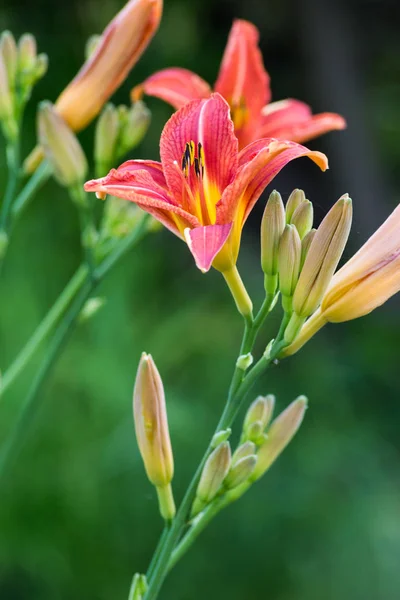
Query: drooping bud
{"points": [[61, 147], [246, 449], [133, 127], [303, 217], [105, 140], [289, 263], [294, 200], [215, 470], [305, 246], [8, 50], [259, 411], [138, 587], [322, 258], [152, 433], [272, 226], [240, 471], [280, 433]]}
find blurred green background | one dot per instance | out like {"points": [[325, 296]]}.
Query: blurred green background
{"points": [[77, 515]]}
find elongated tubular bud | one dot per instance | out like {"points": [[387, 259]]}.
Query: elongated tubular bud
{"points": [[272, 226], [9, 52], [215, 470], [106, 134], [289, 260], [61, 147], [294, 200], [241, 471], [323, 257], [281, 432], [303, 217], [6, 102], [305, 246]]}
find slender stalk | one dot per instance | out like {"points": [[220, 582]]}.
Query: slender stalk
{"points": [[37, 180], [44, 328], [157, 551], [13, 176]]}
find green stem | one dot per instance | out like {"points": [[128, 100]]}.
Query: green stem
{"points": [[39, 178], [157, 551], [13, 170], [43, 330]]}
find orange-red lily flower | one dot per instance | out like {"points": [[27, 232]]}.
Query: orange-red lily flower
{"points": [[203, 189], [244, 83]]}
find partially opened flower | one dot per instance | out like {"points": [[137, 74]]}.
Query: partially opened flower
{"points": [[244, 83], [365, 282], [203, 189]]}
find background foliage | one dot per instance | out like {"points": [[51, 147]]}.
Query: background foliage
{"points": [[77, 515]]}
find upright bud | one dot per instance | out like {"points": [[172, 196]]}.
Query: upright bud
{"points": [[138, 588], [152, 433], [289, 263], [133, 127], [61, 147], [280, 433], [305, 246], [322, 258], [272, 226], [6, 101], [259, 414], [246, 449], [9, 53], [215, 470], [294, 201], [105, 140], [26, 52], [240, 471], [303, 217]]}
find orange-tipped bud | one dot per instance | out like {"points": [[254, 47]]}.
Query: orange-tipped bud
{"points": [[118, 50]]}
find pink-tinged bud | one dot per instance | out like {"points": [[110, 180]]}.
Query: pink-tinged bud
{"points": [[281, 432], [118, 50], [214, 472], [152, 433]]}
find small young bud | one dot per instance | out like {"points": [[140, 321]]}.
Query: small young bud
{"points": [[322, 258], [26, 53], [9, 53], [272, 226], [214, 472], [106, 134], [244, 361], [42, 64], [61, 147], [289, 260], [133, 128], [281, 432], [294, 200], [303, 217], [152, 433], [259, 411], [221, 436], [255, 432], [138, 588], [246, 449], [90, 308], [305, 246], [240, 471]]}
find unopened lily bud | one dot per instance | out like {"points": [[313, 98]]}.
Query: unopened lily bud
{"points": [[134, 128], [106, 134], [220, 437], [215, 470], [305, 245], [42, 64], [246, 449], [272, 226], [26, 52], [152, 433], [303, 217], [322, 258], [255, 432], [61, 147], [9, 53], [90, 308], [240, 472], [259, 411], [138, 587], [294, 200], [6, 102], [289, 261], [91, 45], [281, 432]]}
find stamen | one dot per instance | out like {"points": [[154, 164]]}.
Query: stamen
{"points": [[200, 153], [197, 167]]}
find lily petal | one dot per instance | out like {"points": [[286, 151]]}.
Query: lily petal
{"points": [[205, 243], [242, 78], [175, 85], [293, 120], [206, 122]]}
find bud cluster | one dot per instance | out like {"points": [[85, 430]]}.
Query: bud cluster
{"points": [[20, 69], [298, 260]]}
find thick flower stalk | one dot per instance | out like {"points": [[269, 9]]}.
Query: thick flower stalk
{"points": [[245, 84], [365, 282], [203, 189]]}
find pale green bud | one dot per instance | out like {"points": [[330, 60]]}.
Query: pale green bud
{"points": [[272, 226], [133, 127], [61, 147], [259, 411], [42, 64], [246, 449], [106, 135], [323, 257], [138, 587], [305, 245], [289, 260], [215, 470], [90, 308], [244, 361], [294, 200], [26, 52], [221, 436], [240, 472], [91, 45], [303, 217], [281, 432], [9, 52], [255, 432]]}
